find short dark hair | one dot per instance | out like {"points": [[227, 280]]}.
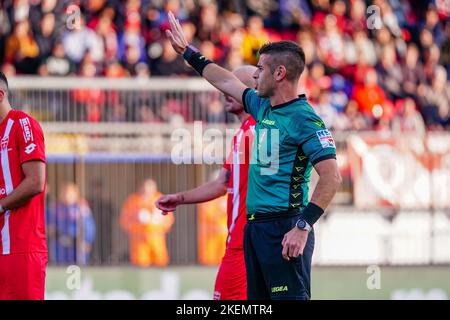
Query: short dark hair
{"points": [[3, 79], [286, 53]]}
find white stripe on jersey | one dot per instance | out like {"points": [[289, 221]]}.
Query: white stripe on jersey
{"points": [[8, 186], [6, 245], [236, 183]]}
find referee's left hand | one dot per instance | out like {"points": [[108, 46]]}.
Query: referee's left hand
{"points": [[293, 243]]}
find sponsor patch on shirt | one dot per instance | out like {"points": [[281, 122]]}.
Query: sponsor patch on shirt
{"points": [[26, 129], [30, 148], [325, 138]]}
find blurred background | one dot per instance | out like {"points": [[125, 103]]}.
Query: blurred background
{"points": [[110, 94]]}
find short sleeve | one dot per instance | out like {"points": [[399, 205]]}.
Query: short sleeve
{"points": [[30, 140], [251, 102], [316, 140]]}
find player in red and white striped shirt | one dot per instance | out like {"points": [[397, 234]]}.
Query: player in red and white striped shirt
{"points": [[23, 249], [231, 281]]}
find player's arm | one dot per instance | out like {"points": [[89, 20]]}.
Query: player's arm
{"points": [[33, 184], [206, 192], [219, 77]]}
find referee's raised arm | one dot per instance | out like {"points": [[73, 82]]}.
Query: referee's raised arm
{"points": [[219, 77]]}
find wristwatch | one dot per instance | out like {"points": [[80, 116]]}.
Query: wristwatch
{"points": [[303, 225]]}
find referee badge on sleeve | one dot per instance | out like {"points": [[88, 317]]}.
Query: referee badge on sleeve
{"points": [[325, 138]]}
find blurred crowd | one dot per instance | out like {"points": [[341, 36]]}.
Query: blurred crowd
{"points": [[380, 65]]}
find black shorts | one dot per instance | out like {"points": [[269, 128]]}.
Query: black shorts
{"points": [[269, 276]]}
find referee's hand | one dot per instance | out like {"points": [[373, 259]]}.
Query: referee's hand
{"points": [[176, 35], [293, 243]]}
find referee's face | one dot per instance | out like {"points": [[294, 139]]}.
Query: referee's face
{"points": [[245, 75], [264, 78]]}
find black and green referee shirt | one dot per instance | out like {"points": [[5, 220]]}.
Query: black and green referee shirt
{"points": [[290, 138]]}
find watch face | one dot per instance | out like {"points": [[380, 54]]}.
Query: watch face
{"points": [[301, 224]]}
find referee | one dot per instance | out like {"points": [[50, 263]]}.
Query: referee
{"points": [[290, 140]]}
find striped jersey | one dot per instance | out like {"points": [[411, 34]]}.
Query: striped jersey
{"points": [[22, 229], [237, 164]]}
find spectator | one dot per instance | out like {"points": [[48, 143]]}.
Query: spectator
{"points": [[413, 73], [131, 59], [169, 62], [408, 119], [105, 29], [58, 64], [79, 40], [435, 100], [388, 17], [306, 41], [22, 49], [46, 37], [254, 37], [73, 225], [340, 90], [325, 110], [369, 95], [433, 24], [339, 9], [390, 73], [352, 119], [317, 81], [208, 21], [431, 57], [331, 44], [363, 48], [131, 35], [146, 227], [357, 19]]}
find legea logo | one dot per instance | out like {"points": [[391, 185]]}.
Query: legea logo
{"points": [[2, 191]]}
